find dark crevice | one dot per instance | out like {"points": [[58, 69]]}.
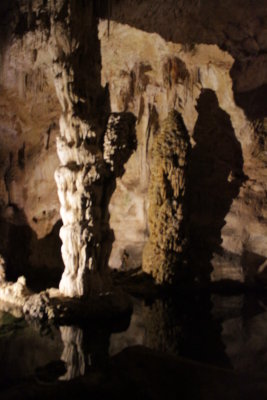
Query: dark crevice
{"points": [[253, 102]]}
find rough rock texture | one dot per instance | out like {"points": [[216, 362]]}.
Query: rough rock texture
{"points": [[88, 161], [15, 293], [29, 113], [164, 254], [80, 176], [226, 179], [206, 60]]}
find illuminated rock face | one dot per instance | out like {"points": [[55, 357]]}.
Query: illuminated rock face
{"points": [[90, 159], [85, 181], [80, 176], [60, 60], [164, 254]]}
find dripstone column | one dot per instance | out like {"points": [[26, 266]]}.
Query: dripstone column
{"points": [[163, 255], [93, 146], [80, 177]]}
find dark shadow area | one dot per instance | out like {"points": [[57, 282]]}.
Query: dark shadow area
{"points": [[214, 178], [7, 12], [124, 146], [251, 263], [192, 343], [39, 260], [171, 325], [253, 102], [46, 254]]}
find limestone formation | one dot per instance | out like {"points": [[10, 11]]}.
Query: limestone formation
{"points": [[80, 175], [119, 141], [15, 293], [163, 255], [65, 57], [87, 164]]}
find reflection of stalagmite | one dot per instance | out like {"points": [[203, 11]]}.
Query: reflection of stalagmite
{"points": [[166, 245], [73, 353]]}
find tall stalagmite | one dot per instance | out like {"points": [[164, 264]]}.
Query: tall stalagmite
{"points": [[92, 147], [76, 65], [163, 254]]}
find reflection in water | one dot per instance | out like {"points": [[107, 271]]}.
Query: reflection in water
{"points": [[24, 348], [181, 327], [228, 331], [245, 337], [73, 352], [84, 348], [134, 335]]}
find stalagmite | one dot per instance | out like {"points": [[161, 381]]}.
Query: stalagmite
{"points": [[79, 178], [164, 252], [87, 150]]}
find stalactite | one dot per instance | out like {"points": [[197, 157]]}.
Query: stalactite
{"points": [[164, 252]]}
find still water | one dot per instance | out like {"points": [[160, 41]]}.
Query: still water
{"points": [[226, 331]]}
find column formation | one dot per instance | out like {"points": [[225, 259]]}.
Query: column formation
{"points": [[163, 255], [92, 147], [76, 66]]}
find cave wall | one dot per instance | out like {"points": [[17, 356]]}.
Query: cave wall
{"points": [[226, 194], [206, 61], [29, 207]]}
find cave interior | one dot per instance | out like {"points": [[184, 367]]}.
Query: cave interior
{"points": [[133, 199]]}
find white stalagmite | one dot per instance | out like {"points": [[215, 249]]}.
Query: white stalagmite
{"points": [[80, 175], [91, 155]]}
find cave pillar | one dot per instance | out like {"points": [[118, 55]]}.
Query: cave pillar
{"points": [[80, 177], [92, 147], [164, 253]]}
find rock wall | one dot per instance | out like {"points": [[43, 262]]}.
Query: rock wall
{"points": [[29, 211], [226, 184], [206, 61]]}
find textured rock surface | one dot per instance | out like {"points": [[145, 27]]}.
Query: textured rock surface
{"points": [[207, 61], [29, 113], [29, 124], [80, 176], [165, 252], [150, 76], [89, 162]]}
